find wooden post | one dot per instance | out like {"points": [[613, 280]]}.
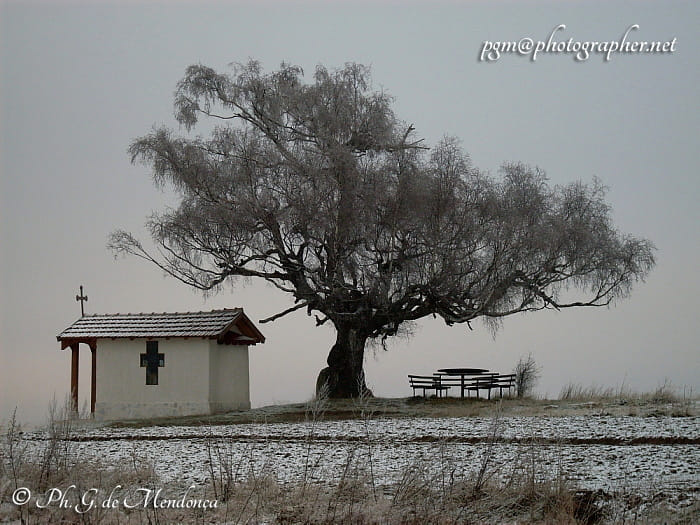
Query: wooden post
{"points": [[93, 382], [74, 377]]}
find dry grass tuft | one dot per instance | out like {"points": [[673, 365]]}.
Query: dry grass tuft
{"points": [[666, 392]]}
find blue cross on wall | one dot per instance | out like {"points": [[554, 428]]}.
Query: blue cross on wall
{"points": [[152, 360]]}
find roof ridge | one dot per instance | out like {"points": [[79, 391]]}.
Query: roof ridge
{"points": [[133, 314]]}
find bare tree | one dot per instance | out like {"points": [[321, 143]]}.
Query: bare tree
{"points": [[526, 375], [319, 189]]}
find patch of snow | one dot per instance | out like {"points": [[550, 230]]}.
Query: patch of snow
{"points": [[389, 448]]}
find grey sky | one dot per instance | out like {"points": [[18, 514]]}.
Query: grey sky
{"points": [[79, 81]]}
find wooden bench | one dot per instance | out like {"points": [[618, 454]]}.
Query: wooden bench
{"points": [[475, 383], [427, 383], [502, 382], [468, 383]]}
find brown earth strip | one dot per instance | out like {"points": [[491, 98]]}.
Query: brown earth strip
{"points": [[245, 438], [408, 408]]}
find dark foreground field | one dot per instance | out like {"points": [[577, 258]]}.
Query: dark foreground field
{"points": [[588, 459]]}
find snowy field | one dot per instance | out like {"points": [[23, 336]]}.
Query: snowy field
{"points": [[631, 454]]}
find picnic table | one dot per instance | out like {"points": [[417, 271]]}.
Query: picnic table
{"points": [[463, 371], [468, 377]]}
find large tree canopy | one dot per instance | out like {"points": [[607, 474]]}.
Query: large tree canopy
{"points": [[319, 189]]}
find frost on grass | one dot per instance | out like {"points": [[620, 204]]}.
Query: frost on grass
{"points": [[418, 469]]}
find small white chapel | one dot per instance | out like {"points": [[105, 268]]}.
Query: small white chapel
{"points": [[164, 364]]}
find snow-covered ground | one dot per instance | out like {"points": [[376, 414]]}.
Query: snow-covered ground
{"points": [[622, 453], [400, 430]]}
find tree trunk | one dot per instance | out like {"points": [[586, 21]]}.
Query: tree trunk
{"points": [[344, 376]]}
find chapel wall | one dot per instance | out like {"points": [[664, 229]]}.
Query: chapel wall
{"points": [[183, 383], [230, 383]]}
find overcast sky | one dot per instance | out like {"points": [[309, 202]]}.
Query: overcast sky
{"points": [[79, 81]]}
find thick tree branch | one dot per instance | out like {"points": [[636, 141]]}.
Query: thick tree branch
{"points": [[285, 312]]}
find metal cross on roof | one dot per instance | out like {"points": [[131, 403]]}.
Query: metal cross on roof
{"points": [[83, 299]]}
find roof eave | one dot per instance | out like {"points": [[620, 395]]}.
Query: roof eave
{"points": [[243, 319]]}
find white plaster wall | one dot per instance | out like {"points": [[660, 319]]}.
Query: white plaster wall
{"points": [[228, 368], [183, 383], [199, 377]]}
